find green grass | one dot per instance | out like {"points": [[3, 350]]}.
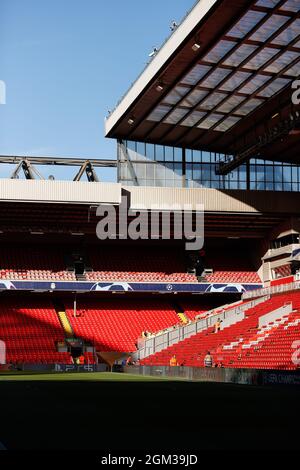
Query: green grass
{"points": [[77, 376]]}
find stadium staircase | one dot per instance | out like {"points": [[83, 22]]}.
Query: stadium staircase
{"points": [[64, 321], [263, 339], [184, 320]]}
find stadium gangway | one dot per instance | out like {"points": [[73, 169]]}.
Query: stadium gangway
{"points": [[166, 338], [271, 290]]}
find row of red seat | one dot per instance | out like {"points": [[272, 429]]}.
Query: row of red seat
{"points": [[236, 346], [110, 264], [117, 325], [30, 332]]}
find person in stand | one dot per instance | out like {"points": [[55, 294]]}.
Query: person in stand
{"points": [[129, 361], [218, 325], [208, 360], [173, 361]]}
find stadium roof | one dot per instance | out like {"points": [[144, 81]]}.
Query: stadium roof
{"points": [[221, 82]]}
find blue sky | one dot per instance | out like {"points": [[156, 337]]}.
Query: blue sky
{"points": [[65, 64]]}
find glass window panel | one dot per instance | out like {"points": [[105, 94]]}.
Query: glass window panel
{"points": [[188, 155], [294, 174], [215, 78], [243, 173], [282, 61], [169, 154], [212, 100], [194, 98], [241, 54], [131, 145], [246, 24], [267, 3], [231, 103], [287, 173], [206, 168], [294, 71], [140, 170], [261, 58], [169, 168], [189, 171], [158, 113], [269, 173], [150, 171], [255, 83], [150, 152], [278, 174], [235, 81], [197, 172], [159, 153], [193, 118], [289, 34], [227, 123], [210, 121], [196, 156], [274, 87], [291, 5], [176, 95], [176, 116], [287, 186], [178, 154], [248, 107], [177, 170], [219, 51], [270, 26], [206, 157], [141, 148], [196, 74], [234, 185]]}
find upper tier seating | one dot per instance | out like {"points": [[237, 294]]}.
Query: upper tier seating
{"points": [[30, 333], [138, 265], [231, 269], [243, 344], [34, 264], [116, 325]]}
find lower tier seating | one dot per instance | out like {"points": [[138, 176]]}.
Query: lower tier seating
{"points": [[117, 325], [243, 344], [30, 331]]}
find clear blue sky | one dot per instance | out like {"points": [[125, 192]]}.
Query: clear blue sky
{"points": [[66, 63]]}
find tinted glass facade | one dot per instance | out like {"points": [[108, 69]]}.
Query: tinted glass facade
{"points": [[155, 165]]}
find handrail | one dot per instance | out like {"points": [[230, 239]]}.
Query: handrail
{"points": [[271, 290], [166, 338]]}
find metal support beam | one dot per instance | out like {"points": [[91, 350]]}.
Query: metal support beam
{"points": [[39, 160], [283, 128]]}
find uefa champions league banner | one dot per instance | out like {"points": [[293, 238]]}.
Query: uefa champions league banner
{"points": [[85, 286]]}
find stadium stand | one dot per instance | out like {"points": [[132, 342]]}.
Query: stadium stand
{"points": [[139, 265], [231, 269], [117, 325], [31, 332], [33, 263], [244, 344]]}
